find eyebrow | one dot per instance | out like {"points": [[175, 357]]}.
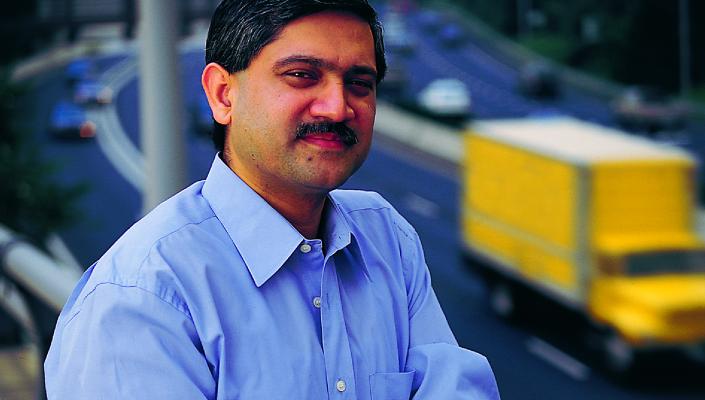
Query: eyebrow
{"points": [[320, 63]]}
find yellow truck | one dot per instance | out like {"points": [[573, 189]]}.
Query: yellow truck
{"points": [[599, 221]]}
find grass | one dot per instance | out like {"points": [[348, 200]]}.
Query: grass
{"points": [[555, 47], [697, 95]]}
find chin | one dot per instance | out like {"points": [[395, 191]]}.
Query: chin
{"points": [[327, 185]]}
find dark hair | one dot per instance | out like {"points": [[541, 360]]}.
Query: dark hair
{"points": [[240, 29]]}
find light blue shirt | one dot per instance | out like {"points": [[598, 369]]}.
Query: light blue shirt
{"points": [[214, 295]]}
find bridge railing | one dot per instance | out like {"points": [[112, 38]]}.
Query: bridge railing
{"points": [[32, 282], [39, 274], [73, 15]]}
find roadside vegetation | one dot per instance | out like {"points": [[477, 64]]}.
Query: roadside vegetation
{"points": [[632, 42], [31, 203]]}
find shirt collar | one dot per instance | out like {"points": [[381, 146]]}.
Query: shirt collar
{"points": [[264, 238], [338, 232]]}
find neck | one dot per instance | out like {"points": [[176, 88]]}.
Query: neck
{"points": [[303, 212]]}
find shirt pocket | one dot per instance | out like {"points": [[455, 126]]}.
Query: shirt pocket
{"points": [[391, 385]]}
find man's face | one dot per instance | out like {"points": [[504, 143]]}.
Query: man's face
{"points": [[320, 69]]}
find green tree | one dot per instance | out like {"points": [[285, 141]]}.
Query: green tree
{"points": [[30, 202], [637, 40]]}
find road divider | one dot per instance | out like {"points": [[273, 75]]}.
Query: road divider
{"points": [[422, 133]]}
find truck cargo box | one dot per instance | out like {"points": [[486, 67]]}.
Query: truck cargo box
{"points": [[543, 193]]}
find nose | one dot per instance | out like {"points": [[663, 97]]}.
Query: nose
{"points": [[331, 104]]}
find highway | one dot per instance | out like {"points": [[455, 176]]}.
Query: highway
{"points": [[539, 357]]}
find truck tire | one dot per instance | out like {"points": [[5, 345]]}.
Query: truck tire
{"points": [[502, 299], [619, 355]]}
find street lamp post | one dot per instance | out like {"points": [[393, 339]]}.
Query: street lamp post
{"points": [[684, 46], [161, 105]]}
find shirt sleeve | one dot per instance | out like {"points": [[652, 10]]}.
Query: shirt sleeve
{"points": [[127, 343], [442, 369]]}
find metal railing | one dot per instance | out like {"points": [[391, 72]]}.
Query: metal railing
{"points": [[29, 276], [74, 15], [41, 275]]}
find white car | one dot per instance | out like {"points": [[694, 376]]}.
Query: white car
{"points": [[91, 92], [446, 98]]}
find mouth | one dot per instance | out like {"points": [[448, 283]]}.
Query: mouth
{"points": [[327, 140], [327, 134]]}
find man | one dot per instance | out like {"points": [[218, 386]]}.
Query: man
{"points": [[263, 282]]}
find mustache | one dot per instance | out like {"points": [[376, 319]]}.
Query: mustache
{"points": [[346, 134]]}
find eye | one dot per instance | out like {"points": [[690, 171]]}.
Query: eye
{"points": [[360, 87], [300, 78], [301, 74]]}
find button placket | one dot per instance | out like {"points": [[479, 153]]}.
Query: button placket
{"points": [[336, 344]]}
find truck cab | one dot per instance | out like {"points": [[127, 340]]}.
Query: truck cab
{"points": [[650, 298]]}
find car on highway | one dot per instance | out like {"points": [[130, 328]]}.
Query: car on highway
{"points": [[452, 35], [397, 37], [647, 109], [78, 69], [70, 121], [446, 98], [90, 91], [538, 79], [395, 85], [430, 21]]}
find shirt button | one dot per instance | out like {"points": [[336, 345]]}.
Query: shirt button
{"points": [[305, 248], [340, 385], [317, 302]]}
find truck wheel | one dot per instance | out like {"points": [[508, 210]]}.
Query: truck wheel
{"points": [[619, 355], [502, 300]]}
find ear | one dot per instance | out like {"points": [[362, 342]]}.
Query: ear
{"points": [[217, 84]]}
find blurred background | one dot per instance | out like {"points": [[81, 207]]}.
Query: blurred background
{"points": [[84, 131]]}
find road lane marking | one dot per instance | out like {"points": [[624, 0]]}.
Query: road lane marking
{"points": [[111, 138], [421, 205], [117, 146], [562, 361], [120, 74]]}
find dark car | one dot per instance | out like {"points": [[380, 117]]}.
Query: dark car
{"points": [[538, 79], [78, 70], [69, 121], [647, 109], [395, 85], [452, 35], [430, 21]]}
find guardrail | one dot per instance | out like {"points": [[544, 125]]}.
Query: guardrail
{"points": [[25, 265], [74, 15], [29, 276]]}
